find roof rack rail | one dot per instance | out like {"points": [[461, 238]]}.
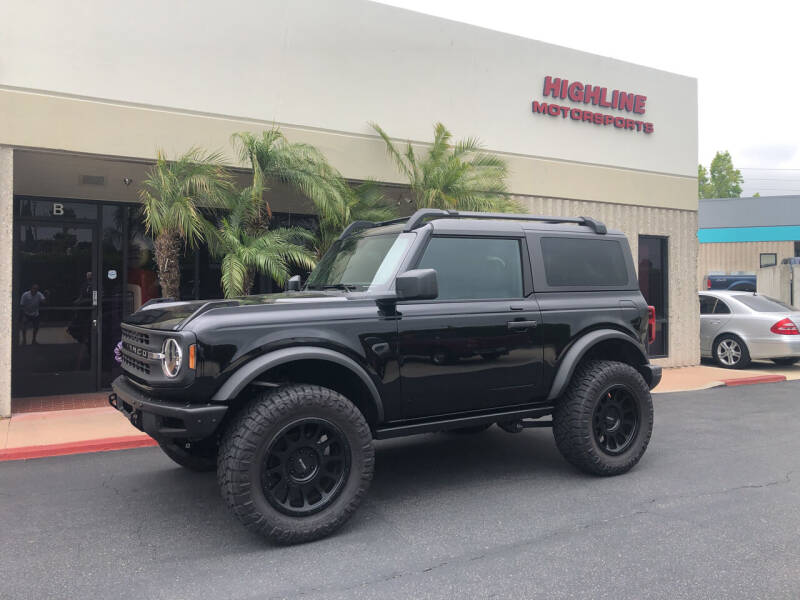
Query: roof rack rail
{"points": [[359, 225], [419, 218]]}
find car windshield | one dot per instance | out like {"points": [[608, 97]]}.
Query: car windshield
{"points": [[764, 303], [361, 262]]}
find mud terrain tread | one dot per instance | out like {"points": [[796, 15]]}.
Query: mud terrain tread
{"points": [[572, 418], [240, 444]]}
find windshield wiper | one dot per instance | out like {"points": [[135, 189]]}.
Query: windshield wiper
{"points": [[348, 287]]}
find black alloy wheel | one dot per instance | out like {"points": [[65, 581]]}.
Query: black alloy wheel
{"points": [[616, 420], [305, 467], [295, 462], [603, 422]]}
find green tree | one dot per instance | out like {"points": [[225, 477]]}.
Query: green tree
{"points": [[171, 196], [301, 166], [723, 180], [449, 175], [363, 202], [704, 189], [246, 249], [756, 195]]}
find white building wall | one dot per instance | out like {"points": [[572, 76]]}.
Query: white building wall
{"points": [[337, 65]]}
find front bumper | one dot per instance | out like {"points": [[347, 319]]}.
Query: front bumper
{"points": [[651, 374], [165, 420]]}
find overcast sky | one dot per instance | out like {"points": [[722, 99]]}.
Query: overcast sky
{"points": [[745, 56]]}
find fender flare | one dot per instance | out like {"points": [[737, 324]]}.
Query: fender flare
{"points": [[249, 371], [579, 349]]}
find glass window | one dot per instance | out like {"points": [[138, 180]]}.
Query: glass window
{"points": [[583, 262], [56, 209], [361, 261], [721, 308], [768, 259], [475, 268], [707, 305], [763, 303], [653, 271]]}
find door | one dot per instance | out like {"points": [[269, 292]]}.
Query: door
{"points": [[477, 346], [55, 309], [714, 313]]}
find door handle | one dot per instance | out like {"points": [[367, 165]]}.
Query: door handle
{"points": [[521, 324]]}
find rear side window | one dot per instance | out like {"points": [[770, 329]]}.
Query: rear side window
{"points": [[583, 262], [475, 268], [763, 303], [707, 305], [721, 308]]}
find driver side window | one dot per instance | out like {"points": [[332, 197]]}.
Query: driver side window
{"points": [[475, 268]]}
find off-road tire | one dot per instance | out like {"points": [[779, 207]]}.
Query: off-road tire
{"points": [[245, 443], [573, 417], [786, 361], [202, 458], [744, 359]]}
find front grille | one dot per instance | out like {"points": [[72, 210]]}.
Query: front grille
{"points": [[135, 337], [136, 365]]}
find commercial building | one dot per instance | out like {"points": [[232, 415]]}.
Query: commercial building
{"points": [[743, 235], [88, 96]]}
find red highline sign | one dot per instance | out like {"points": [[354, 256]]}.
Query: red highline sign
{"points": [[585, 93]]}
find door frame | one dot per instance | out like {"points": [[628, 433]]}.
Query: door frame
{"points": [[93, 374]]}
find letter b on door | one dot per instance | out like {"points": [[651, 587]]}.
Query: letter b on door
{"points": [[58, 209]]}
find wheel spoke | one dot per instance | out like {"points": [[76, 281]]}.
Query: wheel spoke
{"points": [[305, 467]]}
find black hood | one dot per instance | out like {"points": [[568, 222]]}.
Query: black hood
{"points": [[172, 315]]}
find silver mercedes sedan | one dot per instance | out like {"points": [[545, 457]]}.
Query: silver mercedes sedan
{"points": [[737, 327]]}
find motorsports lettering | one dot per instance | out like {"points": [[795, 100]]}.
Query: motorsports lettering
{"points": [[586, 93]]}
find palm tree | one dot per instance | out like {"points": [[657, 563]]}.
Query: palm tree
{"points": [[363, 202], [300, 166], [245, 250], [452, 176], [171, 195]]}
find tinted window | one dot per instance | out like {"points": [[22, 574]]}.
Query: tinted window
{"points": [[721, 308], [360, 261], [707, 305], [583, 262], [763, 303], [474, 268]]}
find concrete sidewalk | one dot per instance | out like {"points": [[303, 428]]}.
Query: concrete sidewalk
{"points": [[52, 433]]}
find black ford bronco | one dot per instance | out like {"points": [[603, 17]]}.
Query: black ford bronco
{"points": [[444, 321]]}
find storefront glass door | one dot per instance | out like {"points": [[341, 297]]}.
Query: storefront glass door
{"points": [[55, 306]]}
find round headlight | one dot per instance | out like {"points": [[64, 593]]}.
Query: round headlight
{"points": [[173, 356]]}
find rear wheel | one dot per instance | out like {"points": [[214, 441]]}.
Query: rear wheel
{"points": [[785, 362], [730, 352], [296, 463], [603, 422]]}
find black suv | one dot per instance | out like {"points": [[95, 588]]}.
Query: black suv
{"points": [[444, 321]]}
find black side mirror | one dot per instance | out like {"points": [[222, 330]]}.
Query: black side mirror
{"points": [[418, 284], [293, 285]]}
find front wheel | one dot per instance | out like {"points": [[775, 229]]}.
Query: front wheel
{"points": [[603, 422], [296, 463]]}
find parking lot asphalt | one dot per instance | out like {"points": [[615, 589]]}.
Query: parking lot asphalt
{"points": [[712, 511]]}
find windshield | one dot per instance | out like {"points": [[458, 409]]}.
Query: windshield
{"points": [[361, 262]]}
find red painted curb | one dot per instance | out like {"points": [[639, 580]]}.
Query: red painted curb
{"points": [[756, 379], [101, 445]]}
